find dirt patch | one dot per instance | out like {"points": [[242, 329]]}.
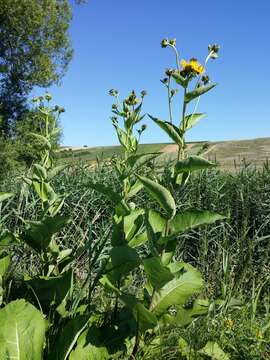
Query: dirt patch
{"points": [[170, 148]]}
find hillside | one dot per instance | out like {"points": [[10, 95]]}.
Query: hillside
{"points": [[229, 154]]}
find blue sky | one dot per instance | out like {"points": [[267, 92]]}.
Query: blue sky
{"points": [[117, 45]]}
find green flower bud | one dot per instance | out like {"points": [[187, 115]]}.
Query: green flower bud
{"points": [[169, 72], [164, 43], [205, 79], [144, 126], [143, 93], [213, 50], [48, 97], [113, 92], [114, 106], [172, 42]]}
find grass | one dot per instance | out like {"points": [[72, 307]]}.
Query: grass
{"points": [[233, 255]]}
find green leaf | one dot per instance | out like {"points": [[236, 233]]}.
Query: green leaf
{"points": [[213, 350], [4, 263], [22, 331], [105, 190], [90, 346], [56, 170], [193, 163], [39, 172], [135, 188], [138, 240], [157, 222], [160, 194], [191, 120], [40, 233], [67, 338], [4, 196], [158, 275], [44, 190], [177, 291], [135, 162], [124, 259], [133, 223], [7, 238], [51, 290], [179, 79], [198, 92], [145, 319], [170, 129], [42, 139], [189, 220]]}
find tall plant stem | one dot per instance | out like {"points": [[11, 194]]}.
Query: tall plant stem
{"points": [[170, 99]]}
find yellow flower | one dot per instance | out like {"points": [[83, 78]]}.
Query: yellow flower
{"points": [[192, 66], [229, 323]]}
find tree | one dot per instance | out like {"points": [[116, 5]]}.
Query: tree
{"points": [[35, 50]]}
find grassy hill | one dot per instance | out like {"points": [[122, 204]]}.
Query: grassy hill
{"points": [[229, 154]]}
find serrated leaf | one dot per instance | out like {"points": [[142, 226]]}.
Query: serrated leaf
{"points": [[160, 194], [198, 92], [22, 331], [170, 129], [193, 163]]}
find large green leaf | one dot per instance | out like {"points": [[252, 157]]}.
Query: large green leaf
{"points": [[191, 120], [145, 319], [135, 162], [193, 163], [105, 190], [170, 129], [160, 194], [44, 190], [133, 223], [22, 331], [124, 259], [4, 196], [66, 340], [51, 290], [177, 291], [179, 79], [138, 240], [135, 188], [190, 219], [213, 350], [39, 172], [7, 238], [90, 346], [157, 274], [4, 263], [40, 233], [198, 92]]}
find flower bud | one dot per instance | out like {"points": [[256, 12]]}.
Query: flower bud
{"points": [[48, 97], [169, 72], [213, 50], [172, 42], [143, 93], [164, 43], [205, 79], [144, 126], [113, 92], [114, 106]]}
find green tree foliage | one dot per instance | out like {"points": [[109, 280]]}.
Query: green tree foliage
{"points": [[35, 50]]}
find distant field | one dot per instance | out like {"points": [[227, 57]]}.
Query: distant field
{"points": [[229, 154]]}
